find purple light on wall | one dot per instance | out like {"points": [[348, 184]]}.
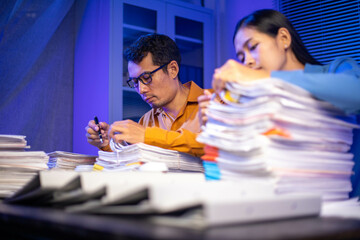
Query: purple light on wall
{"points": [[230, 12], [91, 77]]}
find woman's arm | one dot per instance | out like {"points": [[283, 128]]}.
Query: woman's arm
{"points": [[337, 83]]}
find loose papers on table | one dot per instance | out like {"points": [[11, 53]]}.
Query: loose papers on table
{"points": [[68, 160], [135, 156]]}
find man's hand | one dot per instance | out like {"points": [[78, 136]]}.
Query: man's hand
{"points": [[204, 101], [128, 131], [92, 134]]}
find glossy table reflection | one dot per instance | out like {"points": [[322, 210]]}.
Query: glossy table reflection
{"points": [[20, 222]]}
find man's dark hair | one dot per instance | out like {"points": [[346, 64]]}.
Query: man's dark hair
{"points": [[162, 48]]}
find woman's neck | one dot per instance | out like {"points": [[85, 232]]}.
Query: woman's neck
{"points": [[293, 63]]}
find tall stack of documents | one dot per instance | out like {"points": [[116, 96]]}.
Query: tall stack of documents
{"points": [[132, 157], [278, 132], [18, 166], [70, 161]]}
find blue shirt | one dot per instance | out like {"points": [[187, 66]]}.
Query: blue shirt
{"points": [[338, 83]]}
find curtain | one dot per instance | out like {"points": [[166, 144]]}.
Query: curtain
{"points": [[37, 40]]}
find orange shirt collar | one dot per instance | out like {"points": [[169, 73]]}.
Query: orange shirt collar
{"points": [[194, 93]]}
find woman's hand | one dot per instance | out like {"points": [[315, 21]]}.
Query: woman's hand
{"points": [[232, 71]]}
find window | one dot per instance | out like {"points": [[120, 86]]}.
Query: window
{"points": [[189, 25], [328, 28]]}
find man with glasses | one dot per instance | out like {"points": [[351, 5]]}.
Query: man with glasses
{"points": [[172, 123]]}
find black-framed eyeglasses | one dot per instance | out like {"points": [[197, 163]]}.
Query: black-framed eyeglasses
{"points": [[145, 77]]}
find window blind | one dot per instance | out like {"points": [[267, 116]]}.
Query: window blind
{"points": [[328, 28]]}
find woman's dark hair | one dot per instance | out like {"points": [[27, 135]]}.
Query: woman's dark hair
{"points": [[162, 48], [269, 21]]}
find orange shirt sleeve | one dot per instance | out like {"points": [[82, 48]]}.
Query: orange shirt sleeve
{"points": [[181, 140], [107, 148]]}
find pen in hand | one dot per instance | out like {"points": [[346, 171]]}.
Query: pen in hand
{"points": [[99, 131]]}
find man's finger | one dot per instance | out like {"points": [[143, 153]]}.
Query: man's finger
{"points": [[92, 124], [115, 130], [92, 136], [104, 125], [118, 138], [207, 93], [90, 130]]}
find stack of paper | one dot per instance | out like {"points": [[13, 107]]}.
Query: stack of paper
{"points": [[12, 142], [68, 160], [278, 132], [134, 156], [17, 166]]}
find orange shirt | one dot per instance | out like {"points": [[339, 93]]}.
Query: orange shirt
{"points": [[176, 134]]}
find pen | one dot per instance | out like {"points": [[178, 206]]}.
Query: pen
{"points": [[97, 123]]}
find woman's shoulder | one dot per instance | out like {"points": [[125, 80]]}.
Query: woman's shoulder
{"points": [[342, 64], [338, 65]]}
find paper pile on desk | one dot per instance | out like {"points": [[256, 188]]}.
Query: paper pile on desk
{"points": [[132, 157], [71, 161], [12, 142], [278, 132], [18, 166]]}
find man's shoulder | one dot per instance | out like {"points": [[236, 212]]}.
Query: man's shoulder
{"points": [[195, 90]]}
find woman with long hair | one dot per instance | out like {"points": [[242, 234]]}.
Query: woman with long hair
{"points": [[267, 45]]}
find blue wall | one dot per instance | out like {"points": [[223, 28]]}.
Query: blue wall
{"points": [[91, 73], [228, 13]]}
